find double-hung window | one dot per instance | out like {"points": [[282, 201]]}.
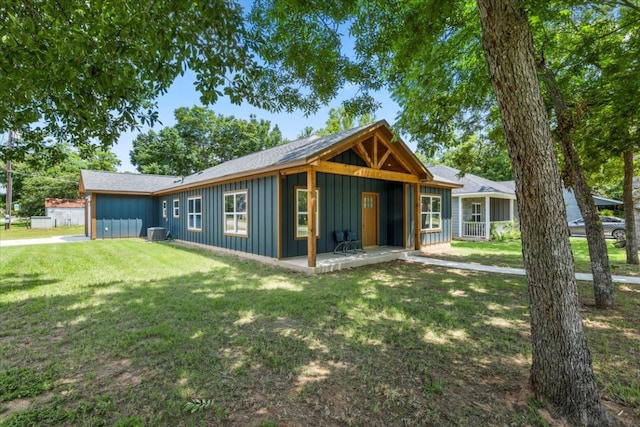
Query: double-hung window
{"points": [[430, 212], [302, 213], [194, 213], [476, 212], [236, 209], [164, 209], [176, 208]]}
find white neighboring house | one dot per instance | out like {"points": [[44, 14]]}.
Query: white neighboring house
{"points": [[479, 204], [478, 196], [64, 212]]}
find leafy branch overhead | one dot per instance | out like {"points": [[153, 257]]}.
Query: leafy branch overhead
{"points": [[75, 70]]}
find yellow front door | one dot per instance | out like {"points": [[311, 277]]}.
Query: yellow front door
{"points": [[370, 218]]}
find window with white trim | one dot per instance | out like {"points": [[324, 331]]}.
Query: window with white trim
{"points": [[164, 209], [476, 212], [176, 208], [430, 212], [194, 213], [302, 213], [236, 210]]}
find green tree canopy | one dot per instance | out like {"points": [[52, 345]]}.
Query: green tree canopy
{"points": [[86, 71], [339, 120], [55, 177], [480, 156], [200, 139]]}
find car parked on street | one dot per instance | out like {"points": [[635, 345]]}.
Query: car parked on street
{"points": [[613, 227]]}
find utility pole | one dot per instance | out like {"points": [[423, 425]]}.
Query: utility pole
{"points": [[7, 218]]}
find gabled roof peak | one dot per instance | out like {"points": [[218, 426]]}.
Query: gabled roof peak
{"points": [[296, 153]]}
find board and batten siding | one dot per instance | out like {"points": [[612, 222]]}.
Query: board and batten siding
{"points": [[349, 157], [121, 216], [427, 238], [340, 208], [262, 216]]}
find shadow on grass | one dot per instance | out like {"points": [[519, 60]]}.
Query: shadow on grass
{"points": [[10, 282], [392, 344]]}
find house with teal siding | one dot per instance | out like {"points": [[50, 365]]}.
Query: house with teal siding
{"points": [[284, 202]]}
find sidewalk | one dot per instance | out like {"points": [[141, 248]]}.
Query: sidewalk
{"points": [[507, 270], [43, 241]]}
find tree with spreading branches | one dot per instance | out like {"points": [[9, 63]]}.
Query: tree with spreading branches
{"points": [[78, 71]]}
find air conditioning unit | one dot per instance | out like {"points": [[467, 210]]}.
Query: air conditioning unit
{"points": [[156, 234]]}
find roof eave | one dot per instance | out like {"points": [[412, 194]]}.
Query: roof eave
{"points": [[485, 194], [440, 184], [118, 192], [231, 177]]}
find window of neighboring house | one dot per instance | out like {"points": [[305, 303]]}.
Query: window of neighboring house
{"points": [[476, 212], [194, 213], [176, 208], [164, 209], [430, 212], [302, 213], [236, 208]]}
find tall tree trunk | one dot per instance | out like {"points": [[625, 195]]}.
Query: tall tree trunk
{"points": [[629, 211], [561, 373], [635, 197], [574, 179]]}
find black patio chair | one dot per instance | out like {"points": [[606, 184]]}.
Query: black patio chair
{"points": [[342, 243], [354, 242]]}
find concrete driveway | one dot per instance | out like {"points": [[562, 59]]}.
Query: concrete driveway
{"points": [[43, 241]]}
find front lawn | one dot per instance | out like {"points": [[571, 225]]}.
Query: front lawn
{"points": [[509, 254], [128, 333]]}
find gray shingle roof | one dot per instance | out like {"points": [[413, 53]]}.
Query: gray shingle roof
{"points": [[124, 182], [509, 184], [471, 183], [280, 155], [290, 154]]}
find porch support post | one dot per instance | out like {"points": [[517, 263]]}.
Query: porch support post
{"points": [[92, 209], [87, 215], [417, 218], [487, 219], [311, 226], [511, 209], [461, 232]]}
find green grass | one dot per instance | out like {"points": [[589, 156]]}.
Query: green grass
{"points": [[509, 254], [130, 333], [19, 231]]}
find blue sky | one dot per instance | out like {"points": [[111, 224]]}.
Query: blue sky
{"points": [[183, 94]]}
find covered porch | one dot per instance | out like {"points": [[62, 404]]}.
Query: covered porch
{"points": [[370, 184], [478, 216]]}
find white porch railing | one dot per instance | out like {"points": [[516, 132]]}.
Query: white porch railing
{"points": [[474, 229], [479, 229]]}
